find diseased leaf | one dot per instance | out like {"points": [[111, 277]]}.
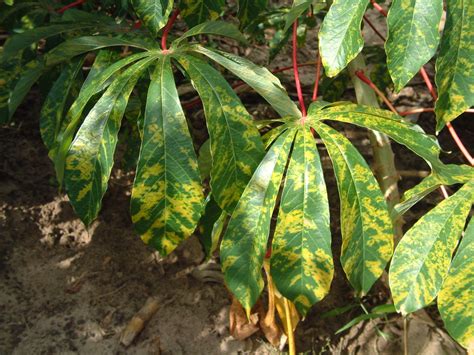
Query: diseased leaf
{"points": [[455, 300], [52, 111], [366, 227], [249, 11], [413, 37], [167, 198], [218, 28], [340, 38], [195, 12], [153, 13], [258, 78], [454, 66], [421, 260], [244, 243], [90, 158], [236, 146], [301, 261]]}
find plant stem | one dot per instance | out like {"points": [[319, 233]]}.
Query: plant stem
{"points": [[405, 336], [295, 69], [385, 170], [360, 74], [378, 8], [429, 109], [318, 75], [366, 19], [71, 5], [291, 338], [167, 29]]}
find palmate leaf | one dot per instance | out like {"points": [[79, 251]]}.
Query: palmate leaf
{"points": [[90, 158], [366, 227], [421, 260], [455, 300], [219, 28], [413, 37], [258, 78], [236, 146], [454, 66], [340, 38], [245, 240], [167, 198], [195, 12], [301, 261], [153, 13], [52, 111]]}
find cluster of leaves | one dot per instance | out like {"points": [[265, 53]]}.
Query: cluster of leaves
{"points": [[131, 76]]}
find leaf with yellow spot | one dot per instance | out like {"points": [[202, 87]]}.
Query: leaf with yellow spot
{"points": [[153, 13], [301, 261], [195, 12], [236, 146], [422, 258], [245, 240], [366, 227], [89, 160], [167, 198], [454, 66], [456, 298]]}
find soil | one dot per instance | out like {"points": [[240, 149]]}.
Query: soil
{"points": [[65, 289]]}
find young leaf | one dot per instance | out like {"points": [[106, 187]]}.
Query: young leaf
{"points": [[52, 112], [454, 66], [90, 158], [340, 38], [413, 37], [218, 28], [301, 262], [366, 227], [195, 12], [244, 243], [153, 13], [249, 11], [236, 146], [258, 78], [421, 260], [455, 300], [167, 196]]}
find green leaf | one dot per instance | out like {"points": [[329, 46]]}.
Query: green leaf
{"points": [[301, 262], [205, 159], [366, 227], [410, 135], [90, 158], [236, 146], [258, 78], [454, 66], [244, 244], [299, 7], [167, 197], [413, 37], [455, 300], [249, 11], [95, 82], [195, 12], [211, 226], [340, 38], [9, 72], [52, 111], [376, 313], [421, 260], [153, 13], [218, 28]]}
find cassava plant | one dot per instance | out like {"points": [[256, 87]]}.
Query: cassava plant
{"points": [[252, 176]]}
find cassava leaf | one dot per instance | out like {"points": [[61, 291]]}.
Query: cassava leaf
{"points": [[299, 7], [421, 259], [167, 198], [413, 37], [9, 72], [366, 227], [258, 78], [340, 38], [249, 11], [153, 13], [455, 300], [454, 66], [301, 261], [195, 12], [218, 28], [52, 111], [245, 240], [211, 226], [236, 146], [90, 158]]}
